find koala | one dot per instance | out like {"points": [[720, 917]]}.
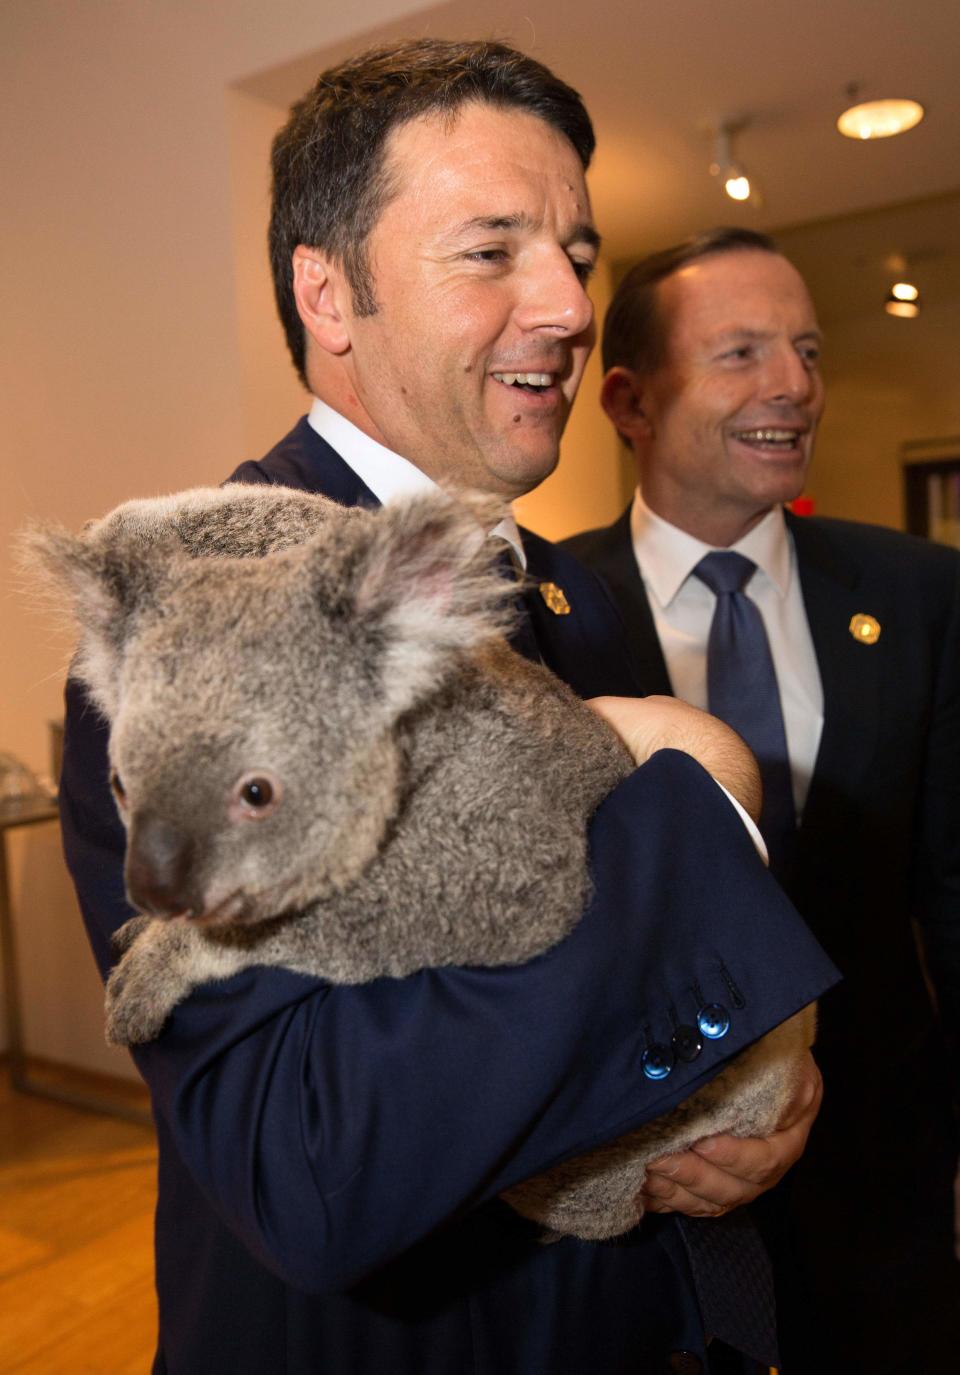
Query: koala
{"points": [[327, 757]]}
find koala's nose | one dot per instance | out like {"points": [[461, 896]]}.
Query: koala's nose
{"points": [[159, 865]]}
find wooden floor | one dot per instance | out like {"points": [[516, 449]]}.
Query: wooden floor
{"points": [[77, 1192]]}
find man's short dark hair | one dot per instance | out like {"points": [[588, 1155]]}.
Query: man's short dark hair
{"points": [[330, 182], [634, 333]]}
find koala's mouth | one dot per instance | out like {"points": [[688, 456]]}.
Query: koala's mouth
{"points": [[238, 910], [232, 910]]}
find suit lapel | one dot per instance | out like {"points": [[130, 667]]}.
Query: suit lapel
{"points": [[585, 646], [849, 671], [612, 556]]}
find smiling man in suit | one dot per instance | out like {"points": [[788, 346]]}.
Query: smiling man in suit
{"points": [[834, 648], [331, 1157]]}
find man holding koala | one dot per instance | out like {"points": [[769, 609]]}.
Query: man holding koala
{"points": [[331, 1157]]}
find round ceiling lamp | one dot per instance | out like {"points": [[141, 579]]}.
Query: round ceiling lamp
{"points": [[880, 118]]}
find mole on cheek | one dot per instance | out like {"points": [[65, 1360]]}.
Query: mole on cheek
{"points": [[516, 419]]}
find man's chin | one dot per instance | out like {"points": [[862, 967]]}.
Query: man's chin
{"points": [[775, 480], [521, 479]]}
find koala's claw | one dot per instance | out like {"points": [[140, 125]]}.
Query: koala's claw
{"points": [[129, 1020], [125, 1026], [136, 1004], [125, 935]]}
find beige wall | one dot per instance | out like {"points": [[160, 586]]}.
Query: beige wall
{"points": [[270, 393], [889, 382]]}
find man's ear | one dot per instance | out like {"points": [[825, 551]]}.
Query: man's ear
{"points": [[323, 298], [622, 396]]}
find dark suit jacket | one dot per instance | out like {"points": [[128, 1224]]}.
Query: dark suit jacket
{"points": [[879, 845], [330, 1157]]}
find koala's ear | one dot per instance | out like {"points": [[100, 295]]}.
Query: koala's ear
{"points": [[425, 581], [107, 582]]}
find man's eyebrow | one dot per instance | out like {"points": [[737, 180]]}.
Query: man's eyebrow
{"points": [[580, 233], [744, 332], [585, 233]]}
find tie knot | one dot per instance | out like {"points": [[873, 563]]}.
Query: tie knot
{"points": [[506, 562], [725, 571]]}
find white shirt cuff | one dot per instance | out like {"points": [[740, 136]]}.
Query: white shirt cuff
{"points": [[750, 824]]}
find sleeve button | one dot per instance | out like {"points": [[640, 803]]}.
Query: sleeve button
{"points": [[687, 1043], [657, 1061], [713, 1021]]}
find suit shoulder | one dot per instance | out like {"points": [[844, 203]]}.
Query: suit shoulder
{"points": [[557, 561], [879, 547], [588, 543], [283, 465]]}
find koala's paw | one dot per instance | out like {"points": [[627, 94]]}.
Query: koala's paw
{"points": [[139, 994]]}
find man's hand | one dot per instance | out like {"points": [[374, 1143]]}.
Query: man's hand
{"points": [[648, 724], [722, 1172]]}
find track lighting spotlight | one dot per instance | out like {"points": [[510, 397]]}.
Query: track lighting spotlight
{"points": [[733, 174]]}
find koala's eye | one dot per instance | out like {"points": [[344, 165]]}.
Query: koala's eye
{"points": [[119, 791], [255, 795]]}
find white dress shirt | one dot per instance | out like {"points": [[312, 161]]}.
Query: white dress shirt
{"points": [[683, 608]]}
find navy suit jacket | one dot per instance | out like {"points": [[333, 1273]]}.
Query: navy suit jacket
{"points": [[330, 1157], [878, 854]]}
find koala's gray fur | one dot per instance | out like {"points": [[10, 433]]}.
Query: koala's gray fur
{"points": [[431, 788]]}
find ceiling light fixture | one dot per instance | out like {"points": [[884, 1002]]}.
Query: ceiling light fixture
{"points": [[878, 118], [903, 300], [736, 182]]}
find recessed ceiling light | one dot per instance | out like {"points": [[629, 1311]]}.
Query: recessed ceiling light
{"points": [[903, 300], [880, 118]]}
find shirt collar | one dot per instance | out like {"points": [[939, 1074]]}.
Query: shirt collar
{"points": [[668, 555], [389, 476]]}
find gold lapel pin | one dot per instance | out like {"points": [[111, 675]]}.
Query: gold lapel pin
{"points": [[865, 629], [555, 599]]}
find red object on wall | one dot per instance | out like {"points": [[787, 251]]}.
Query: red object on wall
{"points": [[801, 506]]}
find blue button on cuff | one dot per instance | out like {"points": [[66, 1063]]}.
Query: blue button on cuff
{"points": [[657, 1061], [714, 1021]]}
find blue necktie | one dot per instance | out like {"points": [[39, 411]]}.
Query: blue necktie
{"points": [[742, 690]]}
